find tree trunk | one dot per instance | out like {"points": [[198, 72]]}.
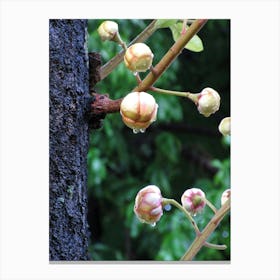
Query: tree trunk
{"points": [[68, 140]]}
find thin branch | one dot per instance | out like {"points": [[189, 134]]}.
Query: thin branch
{"points": [[192, 96], [211, 226], [188, 215], [215, 246], [210, 205], [184, 28]]}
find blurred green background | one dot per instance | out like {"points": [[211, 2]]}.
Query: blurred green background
{"points": [[181, 150]]}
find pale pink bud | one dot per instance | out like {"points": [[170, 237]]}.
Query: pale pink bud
{"points": [[138, 57], [138, 110], [224, 126], [107, 30], [225, 196], [208, 102], [148, 205], [193, 200]]}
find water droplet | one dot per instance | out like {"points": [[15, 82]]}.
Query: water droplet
{"points": [[167, 207], [153, 224], [225, 234], [142, 130], [194, 214], [135, 130], [135, 73]]}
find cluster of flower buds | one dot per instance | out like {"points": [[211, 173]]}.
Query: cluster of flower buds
{"points": [[138, 110], [208, 102], [138, 57], [149, 203], [108, 30], [224, 126]]}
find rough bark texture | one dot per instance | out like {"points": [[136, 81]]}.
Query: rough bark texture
{"points": [[69, 140]]}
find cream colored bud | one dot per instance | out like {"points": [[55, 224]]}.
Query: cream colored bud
{"points": [[225, 196], [138, 110], [148, 205], [138, 57], [224, 126], [208, 102], [107, 30]]}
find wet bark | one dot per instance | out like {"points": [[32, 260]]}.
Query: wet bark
{"points": [[69, 103]]}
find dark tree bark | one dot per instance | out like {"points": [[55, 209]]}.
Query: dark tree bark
{"points": [[68, 140]]}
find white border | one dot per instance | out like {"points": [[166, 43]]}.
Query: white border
{"points": [[24, 138]]}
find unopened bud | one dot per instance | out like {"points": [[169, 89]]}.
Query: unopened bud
{"points": [[148, 205], [193, 200], [138, 57], [225, 196], [224, 126], [208, 102], [107, 30], [138, 110]]}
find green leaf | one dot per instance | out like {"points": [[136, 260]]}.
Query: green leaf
{"points": [[163, 23], [195, 44]]}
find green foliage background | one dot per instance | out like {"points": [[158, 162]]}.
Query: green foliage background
{"points": [[182, 149]]}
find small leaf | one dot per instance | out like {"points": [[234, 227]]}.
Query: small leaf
{"points": [[164, 23], [195, 44]]}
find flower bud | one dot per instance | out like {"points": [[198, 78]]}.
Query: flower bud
{"points": [[138, 57], [107, 30], [148, 205], [193, 200], [224, 126], [138, 110], [208, 102], [225, 196]]}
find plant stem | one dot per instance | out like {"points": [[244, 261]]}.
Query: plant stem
{"points": [[211, 226], [119, 40], [138, 79], [188, 215], [168, 58], [116, 60], [184, 28], [215, 246], [210, 205], [192, 96]]}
